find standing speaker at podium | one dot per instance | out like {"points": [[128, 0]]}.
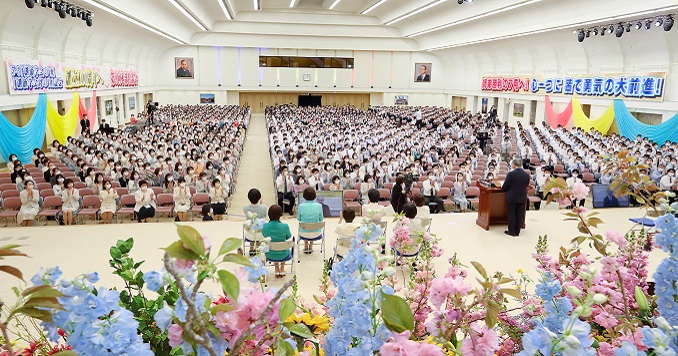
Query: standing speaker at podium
{"points": [[515, 187]]}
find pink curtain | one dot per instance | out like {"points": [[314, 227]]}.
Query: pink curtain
{"points": [[91, 113], [555, 119]]}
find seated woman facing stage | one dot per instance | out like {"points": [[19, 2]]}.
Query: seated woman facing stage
{"points": [[278, 232], [145, 202], [309, 212]]}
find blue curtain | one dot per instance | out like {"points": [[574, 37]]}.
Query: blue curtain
{"points": [[630, 127], [22, 140]]}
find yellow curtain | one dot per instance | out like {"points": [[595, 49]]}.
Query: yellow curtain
{"points": [[63, 126], [601, 124]]}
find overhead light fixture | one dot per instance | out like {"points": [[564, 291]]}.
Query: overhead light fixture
{"points": [[293, 3], [602, 31], [257, 5], [639, 25], [648, 24], [581, 36], [659, 22], [225, 8], [595, 31], [335, 3], [373, 7], [668, 23], [416, 11], [620, 30], [189, 15], [30, 4], [474, 18], [126, 17]]}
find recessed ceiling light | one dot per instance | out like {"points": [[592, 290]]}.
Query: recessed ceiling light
{"points": [[224, 8], [335, 3], [293, 3], [412, 13], [373, 7], [256, 5], [188, 14]]}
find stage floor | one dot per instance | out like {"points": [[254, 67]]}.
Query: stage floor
{"points": [[84, 248]]}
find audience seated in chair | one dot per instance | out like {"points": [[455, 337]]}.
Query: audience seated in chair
{"points": [[278, 232]]}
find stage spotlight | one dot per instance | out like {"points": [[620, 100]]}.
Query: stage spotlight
{"points": [[628, 27], [581, 36], [30, 4], [668, 24], [460, 2], [611, 28], [602, 31], [88, 20], [659, 22], [639, 25], [62, 10], [74, 12], [588, 33], [43, 3], [648, 24], [595, 31], [620, 31]]}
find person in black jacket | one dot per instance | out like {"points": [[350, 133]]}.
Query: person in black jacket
{"points": [[84, 124], [515, 187], [398, 197]]}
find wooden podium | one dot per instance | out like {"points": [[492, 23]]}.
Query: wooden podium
{"points": [[492, 207]]}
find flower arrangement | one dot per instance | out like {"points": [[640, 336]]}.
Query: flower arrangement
{"points": [[584, 303]]}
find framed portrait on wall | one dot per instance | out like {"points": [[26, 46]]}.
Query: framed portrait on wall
{"points": [[109, 107], [422, 72], [132, 103], [184, 67], [483, 105], [401, 100], [518, 110]]}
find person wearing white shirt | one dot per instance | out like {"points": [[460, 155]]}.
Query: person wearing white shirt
{"points": [[218, 195], [315, 180], [459, 196], [365, 187], [284, 184], [526, 155], [108, 197], [145, 202], [373, 210], [667, 182], [430, 189], [71, 202], [182, 199]]}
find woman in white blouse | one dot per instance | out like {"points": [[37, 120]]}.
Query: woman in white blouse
{"points": [[182, 199], [459, 196], [218, 195], [108, 197], [59, 186], [71, 202], [145, 202], [30, 204]]}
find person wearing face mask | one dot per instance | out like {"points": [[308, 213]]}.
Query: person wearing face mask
{"points": [[299, 185], [182, 199], [202, 184], [398, 196], [22, 179], [430, 190], [315, 180], [225, 179], [30, 204], [285, 188], [668, 182], [108, 197], [98, 183], [218, 196], [365, 187], [71, 202], [168, 185], [145, 202], [59, 186]]}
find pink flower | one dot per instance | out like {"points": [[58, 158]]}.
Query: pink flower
{"points": [[442, 288], [183, 266], [580, 191], [206, 241], [400, 345], [606, 320], [430, 350], [616, 237], [555, 190], [564, 201], [483, 342], [175, 334], [581, 210]]}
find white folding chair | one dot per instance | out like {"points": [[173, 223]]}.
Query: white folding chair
{"points": [[282, 246], [317, 237], [253, 237]]}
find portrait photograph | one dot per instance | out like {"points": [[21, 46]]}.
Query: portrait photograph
{"points": [[484, 105], [518, 110], [184, 67], [132, 103], [109, 107], [422, 72]]}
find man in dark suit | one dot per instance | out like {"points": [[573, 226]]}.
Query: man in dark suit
{"points": [[183, 71], [610, 200], [84, 124], [515, 187], [423, 77]]}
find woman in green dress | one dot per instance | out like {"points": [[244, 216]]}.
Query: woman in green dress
{"points": [[278, 232]]}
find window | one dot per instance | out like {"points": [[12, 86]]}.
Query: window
{"points": [[305, 62]]}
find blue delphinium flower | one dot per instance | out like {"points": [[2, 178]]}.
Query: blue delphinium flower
{"points": [[576, 338], [46, 276], [539, 339], [628, 349], [352, 332], [163, 317], [557, 309], [181, 307], [256, 270], [153, 280], [666, 275], [93, 321]]}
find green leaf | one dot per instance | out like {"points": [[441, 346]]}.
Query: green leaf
{"points": [[284, 348], [480, 269], [286, 308], [13, 271], [125, 246], [115, 253], [512, 292], [492, 313], [35, 313], [177, 250], [317, 300], [42, 292], [191, 238], [229, 245], [224, 307], [301, 330], [396, 313], [239, 259], [229, 283], [10, 252]]}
